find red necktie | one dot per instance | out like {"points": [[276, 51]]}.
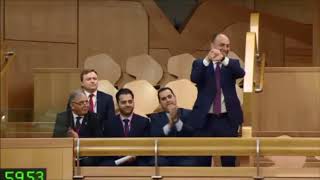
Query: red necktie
{"points": [[91, 105], [126, 127], [217, 99]]}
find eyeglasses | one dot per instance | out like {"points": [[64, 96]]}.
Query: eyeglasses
{"points": [[81, 103]]}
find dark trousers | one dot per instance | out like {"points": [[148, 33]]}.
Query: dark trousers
{"points": [[175, 161], [89, 161], [218, 126]]}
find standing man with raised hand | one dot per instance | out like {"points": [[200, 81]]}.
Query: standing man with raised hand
{"points": [[217, 111]]}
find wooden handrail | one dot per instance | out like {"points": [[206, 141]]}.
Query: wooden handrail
{"points": [[254, 27], [250, 56], [262, 62], [253, 57], [199, 146]]}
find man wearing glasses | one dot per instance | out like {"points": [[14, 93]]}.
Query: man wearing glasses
{"points": [[98, 102], [78, 121]]}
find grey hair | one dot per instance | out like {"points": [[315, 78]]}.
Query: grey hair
{"points": [[75, 94]]}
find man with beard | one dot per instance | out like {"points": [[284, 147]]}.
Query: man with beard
{"points": [[171, 122], [127, 124], [78, 122]]}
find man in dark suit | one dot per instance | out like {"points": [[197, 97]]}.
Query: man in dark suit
{"points": [[217, 111], [99, 102], [171, 122], [126, 124], [78, 122]]}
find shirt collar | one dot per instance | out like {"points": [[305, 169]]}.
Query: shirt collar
{"points": [[88, 94], [129, 118], [76, 115], [215, 62]]}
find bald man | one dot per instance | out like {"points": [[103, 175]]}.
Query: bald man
{"points": [[217, 111]]}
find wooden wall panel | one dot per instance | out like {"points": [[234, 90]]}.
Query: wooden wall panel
{"points": [[295, 10], [49, 96], [289, 102], [1, 23], [273, 45], [55, 155], [204, 22], [237, 34], [316, 33], [4, 97], [297, 54], [41, 20], [162, 32], [35, 55], [117, 28], [245, 3]]}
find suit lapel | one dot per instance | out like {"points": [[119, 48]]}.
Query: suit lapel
{"points": [[85, 122], [119, 126], [164, 118], [211, 77], [70, 120], [223, 71], [99, 102]]}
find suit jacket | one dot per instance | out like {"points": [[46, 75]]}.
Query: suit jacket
{"points": [[159, 120], [89, 128], [105, 107], [140, 127], [204, 78]]}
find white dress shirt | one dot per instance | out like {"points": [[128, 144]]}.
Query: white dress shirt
{"points": [[94, 99]]}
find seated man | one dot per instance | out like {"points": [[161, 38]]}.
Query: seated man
{"points": [[171, 122], [99, 102], [78, 122], [126, 124]]}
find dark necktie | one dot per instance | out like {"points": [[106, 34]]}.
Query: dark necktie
{"points": [[173, 131], [126, 127], [91, 105], [217, 99], [78, 124]]}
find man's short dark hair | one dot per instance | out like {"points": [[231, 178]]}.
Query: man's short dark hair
{"points": [[86, 71], [123, 91], [163, 89]]}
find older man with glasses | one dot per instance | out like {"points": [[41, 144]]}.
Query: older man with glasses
{"points": [[78, 121]]}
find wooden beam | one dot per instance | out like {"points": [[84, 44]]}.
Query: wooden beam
{"points": [[254, 26], [250, 56]]}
